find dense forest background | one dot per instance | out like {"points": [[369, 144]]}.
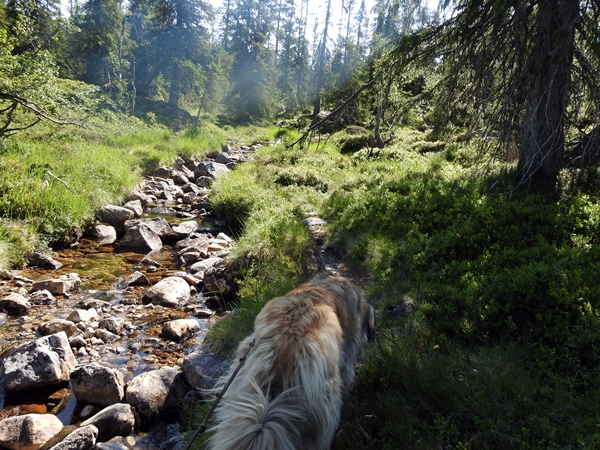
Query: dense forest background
{"points": [[521, 73], [246, 59]]}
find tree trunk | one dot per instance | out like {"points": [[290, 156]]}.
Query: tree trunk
{"points": [[175, 89], [549, 77], [320, 69]]}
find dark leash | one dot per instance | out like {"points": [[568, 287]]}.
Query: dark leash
{"points": [[202, 427]]}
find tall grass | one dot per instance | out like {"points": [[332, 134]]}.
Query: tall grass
{"points": [[53, 181]]}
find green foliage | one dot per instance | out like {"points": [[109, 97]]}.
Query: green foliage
{"points": [[501, 349]]}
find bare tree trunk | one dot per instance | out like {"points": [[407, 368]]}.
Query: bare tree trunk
{"points": [[549, 76], [320, 69], [133, 88], [175, 89]]}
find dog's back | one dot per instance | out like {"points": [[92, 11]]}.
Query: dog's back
{"points": [[288, 394]]}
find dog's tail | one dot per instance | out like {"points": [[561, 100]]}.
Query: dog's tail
{"points": [[250, 421]]}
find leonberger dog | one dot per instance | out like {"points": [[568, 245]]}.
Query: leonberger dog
{"points": [[288, 394]]}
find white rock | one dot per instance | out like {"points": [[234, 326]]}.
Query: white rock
{"points": [[180, 328], [46, 361], [171, 292], [28, 432]]}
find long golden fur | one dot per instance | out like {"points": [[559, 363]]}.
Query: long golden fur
{"points": [[289, 393]]}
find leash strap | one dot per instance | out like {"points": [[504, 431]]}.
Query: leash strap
{"points": [[202, 427]]}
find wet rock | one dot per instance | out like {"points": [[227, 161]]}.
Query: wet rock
{"points": [[82, 315], [180, 165], [184, 229], [192, 281], [202, 266], [28, 432], [135, 206], [193, 188], [189, 258], [179, 177], [112, 324], [90, 303], [150, 262], [97, 385], [170, 292], [178, 329], [57, 325], [62, 285], [142, 237], [83, 438], [114, 420], [210, 169], [46, 361], [115, 215], [104, 234], [142, 197], [42, 297], [136, 279], [78, 342], [15, 304], [43, 261], [193, 244], [224, 237], [217, 280], [157, 391], [202, 369], [216, 245], [204, 182], [87, 411], [105, 336], [224, 158]]}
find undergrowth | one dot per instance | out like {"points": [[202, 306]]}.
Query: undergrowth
{"points": [[488, 311]]}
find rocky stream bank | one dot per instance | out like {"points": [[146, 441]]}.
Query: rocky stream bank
{"points": [[101, 343]]}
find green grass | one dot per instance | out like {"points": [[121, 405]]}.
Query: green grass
{"points": [[87, 168], [502, 351]]}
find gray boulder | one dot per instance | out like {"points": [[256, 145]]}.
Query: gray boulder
{"points": [[28, 432], [43, 261], [142, 237], [178, 329], [201, 266], [114, 420], [15, 304], [97, 385], [135, 206], [57, 325], [83, 438], [104, 234], [158, 224], [136, 279], [210, 169], [184, 229], [46, 361], [62, 285], [171, 292], [156, 391], [42, 297], [112, 324], [83, 315], [115, 215]]}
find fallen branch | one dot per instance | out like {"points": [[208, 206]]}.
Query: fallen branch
{"points": [[336, 112], [39, 112]]}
